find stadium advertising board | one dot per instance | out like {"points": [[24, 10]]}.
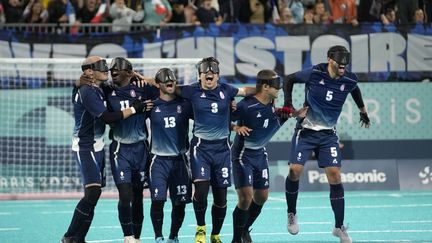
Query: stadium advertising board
{"points": [[415, 174], [379, 53], [356, 175]]}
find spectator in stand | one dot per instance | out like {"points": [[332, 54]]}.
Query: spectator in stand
{"points": [[190, 12], [308, 17], [419, 17], [321, 16], [35, 12], [389, 17], [136, 5], [405, 11], [87, 12], [369, 10], [2, 15], [286, 16], [13, 11], [344, 11], [297, 10], [229, 10], [427, 6], [123, 16], [206, 14], [57, 11], [157, 12], [178, 11]]}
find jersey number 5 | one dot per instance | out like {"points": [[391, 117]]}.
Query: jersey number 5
{"points": [[329, 95]]}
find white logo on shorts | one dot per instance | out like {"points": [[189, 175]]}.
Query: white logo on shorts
{"points": [[156, 192], [202, 171], [121, 175]]}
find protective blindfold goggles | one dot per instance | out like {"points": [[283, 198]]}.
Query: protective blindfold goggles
{"points": [[276, 82], [165, 76], [204, 67], [100, 66], [341, 58], [120, 63]]}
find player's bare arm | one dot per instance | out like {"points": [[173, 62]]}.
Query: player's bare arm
{"points": [[246, 91]]}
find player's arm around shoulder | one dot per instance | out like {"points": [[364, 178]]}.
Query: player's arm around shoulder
{"points": [[246, 91]]}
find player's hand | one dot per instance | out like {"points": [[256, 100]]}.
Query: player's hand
{"points": [[149, 104], [83, 80], [285, 112], [141, 81], [301, 113], [364, 119], [242, 130], [139, 106], [233, 105]]}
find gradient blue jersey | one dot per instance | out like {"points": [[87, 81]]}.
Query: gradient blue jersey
{"points": [[261, 118], [89, 104], [324, 95], [132, 129], [211, 109], [170, 127]]}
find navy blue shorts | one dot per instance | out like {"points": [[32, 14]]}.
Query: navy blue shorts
{"points": [[129, 163], [324, 143], [250, 168], [92, 166], [173, 173], [211, 161]]}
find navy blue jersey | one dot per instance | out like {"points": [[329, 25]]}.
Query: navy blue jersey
{"points": [[132, 129], [261, 118], [89, 104], [324, 95], [169, 121], [211, 109]]}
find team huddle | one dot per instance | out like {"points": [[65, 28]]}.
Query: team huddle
{"points": [[171, 162]]}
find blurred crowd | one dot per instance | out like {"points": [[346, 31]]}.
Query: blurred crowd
{"points": [[122, 13]]}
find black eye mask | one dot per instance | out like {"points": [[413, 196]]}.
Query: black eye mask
{"points": [[276, 82], [100, 66], [120, 63], [165, 76], [342, 58], [204, 67]]}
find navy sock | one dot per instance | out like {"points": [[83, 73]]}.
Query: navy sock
{"points": [[85, 226], [177, 217], [291, 193], [218, 217], [157, 214], [254, 211], [83, 212], [200, 208], [337, 202], [239, 220], [137, 213], [125, 218]]}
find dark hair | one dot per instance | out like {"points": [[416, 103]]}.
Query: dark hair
{"points": [[267, 76], [334, 49], [209, 59]]}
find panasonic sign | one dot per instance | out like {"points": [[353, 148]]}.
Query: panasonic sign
{"points": [[355, 175], [374, 176]]}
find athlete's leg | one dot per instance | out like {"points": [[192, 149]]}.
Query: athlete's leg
{"points": [[240, 213]]}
